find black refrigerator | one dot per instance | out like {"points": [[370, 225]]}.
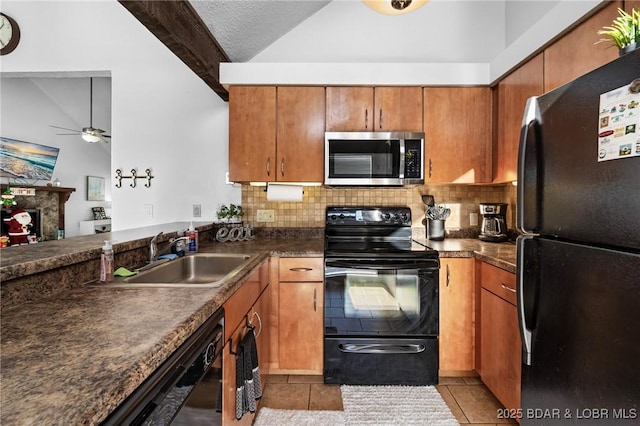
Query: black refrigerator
{"points": [[578, 260]]}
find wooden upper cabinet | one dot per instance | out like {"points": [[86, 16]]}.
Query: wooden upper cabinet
{"points": [[575, 53], [398, 109], [513, 92], [368, 109], [252, 133], [349, 109], [300, 134], [291, 150], [457, 126]]}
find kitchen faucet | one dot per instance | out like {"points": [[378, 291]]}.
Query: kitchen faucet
{"points": [[153, 246]]}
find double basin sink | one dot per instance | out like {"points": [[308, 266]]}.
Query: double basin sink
{"points": [[194, 270]]}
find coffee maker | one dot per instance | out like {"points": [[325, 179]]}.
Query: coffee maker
{"points": [[494, 225]]}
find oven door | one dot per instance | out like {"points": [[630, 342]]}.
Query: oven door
{"points": [[390, 297]]}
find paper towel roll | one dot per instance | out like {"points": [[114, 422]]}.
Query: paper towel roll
{"points": [[284, 193]]}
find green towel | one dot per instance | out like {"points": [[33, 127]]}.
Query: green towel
{"points": [[123, 272]]}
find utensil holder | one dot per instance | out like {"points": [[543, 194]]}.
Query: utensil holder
{"points": [[435, 229]]}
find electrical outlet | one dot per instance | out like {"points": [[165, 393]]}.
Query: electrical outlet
{"points": [[197, 210], [266, 216], [473, 219], [148, 209]]}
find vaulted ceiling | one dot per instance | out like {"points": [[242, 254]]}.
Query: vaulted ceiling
{"points": [[204, 33]]}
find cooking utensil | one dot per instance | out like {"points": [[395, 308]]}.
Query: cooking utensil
{"points": [[438, 212], [428, 200]]}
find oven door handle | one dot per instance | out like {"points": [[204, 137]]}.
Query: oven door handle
{"points": [[381, 348], [434, 265]]}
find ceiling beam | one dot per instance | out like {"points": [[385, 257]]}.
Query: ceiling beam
{"points": [[176, 24]]}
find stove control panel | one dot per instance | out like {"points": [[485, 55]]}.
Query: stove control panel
{"points": [[368, 216]]}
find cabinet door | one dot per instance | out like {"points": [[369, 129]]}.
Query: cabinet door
{"points": [[301, 335], [349, 109], [300, 135], [501, 350], [457, 123], [252, 133], [457, 346], [574, 54], [513, 93], [398, 109], [259, 317]]}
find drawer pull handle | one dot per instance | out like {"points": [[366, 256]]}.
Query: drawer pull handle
{"points": [[315, 300], [506, 287], [301, 269]]}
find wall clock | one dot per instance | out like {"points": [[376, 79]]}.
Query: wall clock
{"points": [[9, 34]]}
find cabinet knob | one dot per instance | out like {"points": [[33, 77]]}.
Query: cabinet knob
{"points": [[380, 120], [282, 167], [301, 269], [366, 118], [268, 166]]}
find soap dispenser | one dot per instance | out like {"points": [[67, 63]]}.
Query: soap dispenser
{"points": [[192, 233], [106, 262]]}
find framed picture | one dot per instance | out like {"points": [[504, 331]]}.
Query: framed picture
{"points": [[95, 188], [98, 213]]}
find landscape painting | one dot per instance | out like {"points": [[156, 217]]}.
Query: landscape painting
{"points": [[26, 160]]}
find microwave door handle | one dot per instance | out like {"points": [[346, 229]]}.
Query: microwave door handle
{"points": [[402, 159]]}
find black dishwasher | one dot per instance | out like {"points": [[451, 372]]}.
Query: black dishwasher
{"points": [[186, 389]]}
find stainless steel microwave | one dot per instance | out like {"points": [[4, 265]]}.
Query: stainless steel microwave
{"points": [[373, 158]]}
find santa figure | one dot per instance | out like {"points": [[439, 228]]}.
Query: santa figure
{"points": [[19, 227]]}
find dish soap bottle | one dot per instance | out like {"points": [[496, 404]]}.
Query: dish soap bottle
{"points": [[106, 262], [192, 233]]}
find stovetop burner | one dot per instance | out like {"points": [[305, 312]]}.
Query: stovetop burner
{"points": [[371, 232]]}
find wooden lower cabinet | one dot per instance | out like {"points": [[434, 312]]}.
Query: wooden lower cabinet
{"points": [[457, 311], [301, 325], [500, 342], [300, 316], [250, 304]]}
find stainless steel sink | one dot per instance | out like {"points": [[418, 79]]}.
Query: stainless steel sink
{"points": [[195, 270]]}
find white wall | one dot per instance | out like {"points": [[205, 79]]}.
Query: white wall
{"points": [[164, 117], [445, 42]]}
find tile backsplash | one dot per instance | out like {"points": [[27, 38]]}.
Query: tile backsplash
{"points": [[462, 199]]}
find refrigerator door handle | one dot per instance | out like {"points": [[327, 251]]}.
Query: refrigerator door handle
{"points": [[525, 331], [528, 188]]}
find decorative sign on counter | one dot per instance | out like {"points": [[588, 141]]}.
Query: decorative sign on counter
{"points": [[619, 125], [235, 233]]}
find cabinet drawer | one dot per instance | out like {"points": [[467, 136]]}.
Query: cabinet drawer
{"points": [[301, 269], [499, 282]]}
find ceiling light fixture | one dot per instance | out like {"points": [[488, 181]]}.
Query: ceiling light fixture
{"points": [[89, 135], [394, 7]]}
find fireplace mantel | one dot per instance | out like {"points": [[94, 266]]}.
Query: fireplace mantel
{"points": [[53, 219]]}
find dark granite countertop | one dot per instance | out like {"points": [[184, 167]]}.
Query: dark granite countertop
{"points": [[72, 358], [502, 255]]}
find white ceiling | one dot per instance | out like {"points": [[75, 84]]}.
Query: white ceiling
{"points": [[442, 31]]}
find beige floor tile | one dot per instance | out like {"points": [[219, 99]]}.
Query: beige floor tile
{"points": [[477, 403], [325, 397], [286, 396], [451, 381], [277, 378], [452, 404], [305, 379]]}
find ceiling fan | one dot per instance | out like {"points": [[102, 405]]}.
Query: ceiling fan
{"points": [[89, 134]]}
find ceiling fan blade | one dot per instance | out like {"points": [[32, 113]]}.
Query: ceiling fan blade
{"points": [[65, 128]]}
